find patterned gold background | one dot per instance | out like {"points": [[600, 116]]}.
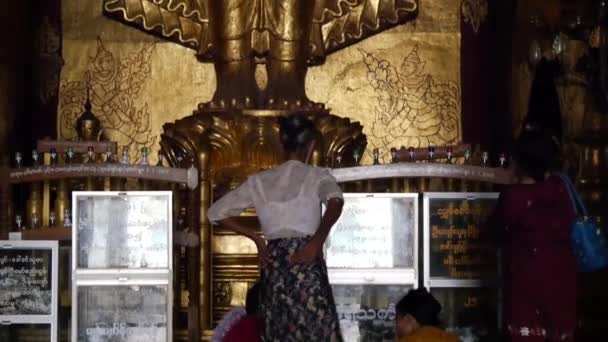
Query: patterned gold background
{"points": [[403, 85]]}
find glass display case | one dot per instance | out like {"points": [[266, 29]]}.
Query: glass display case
{"points": [[372, 260], [122, 247], [462, 262], [123, 313]]}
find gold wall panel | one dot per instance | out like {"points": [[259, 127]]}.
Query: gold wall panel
{"points": [[138, 82], [239, 293], [403, 85], [233, 244]]}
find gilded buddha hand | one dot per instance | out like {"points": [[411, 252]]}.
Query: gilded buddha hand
{"points": [[285, 35]]}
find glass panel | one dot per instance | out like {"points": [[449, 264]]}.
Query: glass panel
{"points": [[25, 332], [471, 313], [460, 247], [25, 282], [122, 313], [373, 232], [367, 312], [123, 231]]}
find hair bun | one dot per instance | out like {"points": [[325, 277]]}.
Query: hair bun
{"points": [[295, 131]]}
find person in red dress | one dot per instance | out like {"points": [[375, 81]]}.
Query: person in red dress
{"points": [[535, 219]]}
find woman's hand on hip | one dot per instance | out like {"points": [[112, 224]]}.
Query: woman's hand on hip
{"points": [[311, 251]]}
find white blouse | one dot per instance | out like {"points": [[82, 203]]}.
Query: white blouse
{"points": [[287, 199]]}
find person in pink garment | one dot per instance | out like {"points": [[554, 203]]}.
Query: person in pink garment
{"points": [[535, 219], [242, 324]]}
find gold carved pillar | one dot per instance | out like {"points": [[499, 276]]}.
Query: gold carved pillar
{"points": [[205, 237]]}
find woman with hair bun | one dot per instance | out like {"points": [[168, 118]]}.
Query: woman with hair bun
{"points": [[296, 299]]}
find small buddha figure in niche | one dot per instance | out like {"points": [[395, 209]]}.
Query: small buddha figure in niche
{"points": [[88, 127]]}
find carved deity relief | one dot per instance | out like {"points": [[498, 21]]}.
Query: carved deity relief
{"points": [[115, 83], [412, 106]]}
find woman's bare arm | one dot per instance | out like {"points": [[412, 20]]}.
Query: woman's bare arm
{"points": [[314, 248]]}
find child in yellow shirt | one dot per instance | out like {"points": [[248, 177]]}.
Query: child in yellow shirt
{"points": [[418, 319]]}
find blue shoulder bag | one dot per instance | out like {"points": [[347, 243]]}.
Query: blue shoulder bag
{"points": [[588, 240]]}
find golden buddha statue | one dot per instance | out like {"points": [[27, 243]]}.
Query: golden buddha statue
{"points": [[285, 35]]}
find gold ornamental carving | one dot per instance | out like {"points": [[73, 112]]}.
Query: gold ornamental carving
{"points": [[242, 143], [474, 12], [221, 293], [286, 36]]}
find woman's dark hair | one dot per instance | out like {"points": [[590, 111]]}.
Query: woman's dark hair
{"points": [[536, 151], [543, 103], [421, 305], [296, 131], [252, 302]]}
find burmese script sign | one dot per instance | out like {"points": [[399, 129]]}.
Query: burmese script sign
{"points": [[367, 312], [28, 287], [123, 231], [460, 244], [26, 282], [122, 313], [374, 231]]}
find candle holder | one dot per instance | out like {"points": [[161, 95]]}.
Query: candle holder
{"points": [[109, 155], [53, 154], [411, 152], [19, 222], [90, 154], [503, 160], [34, 220], [144, 156], [376, 155], [69, 155], [161, 157], [467, 156], [67, 221], [393, 155], [18, 160], [52, 218], [124, 159], [356, 156], [35, 159], [449, 155]]}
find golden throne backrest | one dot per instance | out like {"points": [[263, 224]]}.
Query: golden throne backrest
{"points": [[240, 145]]}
